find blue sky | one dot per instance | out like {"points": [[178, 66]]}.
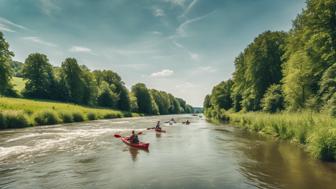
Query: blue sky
{"points": [[184, 47]]}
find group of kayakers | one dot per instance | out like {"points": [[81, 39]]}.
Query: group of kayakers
{"points": [[135, 139]]}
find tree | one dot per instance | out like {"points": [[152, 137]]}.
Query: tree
{"points": [[143, 97], [273, 100], [221, 95], [6, 88], [297, 83], [116, 85], [124, 99], [72, 80], [133, 103], [107, 98], [311, 48], [39, 75]]}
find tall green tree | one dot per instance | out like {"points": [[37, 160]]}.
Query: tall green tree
{"points": [[311, 45], [72, 81], [6, 88], [143, 97], [39, 75]]}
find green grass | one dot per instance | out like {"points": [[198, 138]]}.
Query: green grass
{"points": [[316, 131], [19, 83], [37, 112]]}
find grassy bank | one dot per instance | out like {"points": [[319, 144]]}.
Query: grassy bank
{"points": [[317, 132], [18, 113]]}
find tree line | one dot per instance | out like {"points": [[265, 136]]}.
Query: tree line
{"points": [[75, 83], [284, 71]]}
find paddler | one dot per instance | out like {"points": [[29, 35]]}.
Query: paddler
{"points": [[157, 127], [134, 138]]}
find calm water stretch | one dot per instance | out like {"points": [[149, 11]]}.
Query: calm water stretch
{"points": [[201, 155]]}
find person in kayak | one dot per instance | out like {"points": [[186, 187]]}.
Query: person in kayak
{"points": [[157, 127], [187, 122], [172, 120], [134, 138]]}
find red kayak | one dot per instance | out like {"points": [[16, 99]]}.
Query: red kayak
{"points": [[140, 145], [160, 130]]}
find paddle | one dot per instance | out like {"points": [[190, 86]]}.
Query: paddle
{"points": [[119, 136]]}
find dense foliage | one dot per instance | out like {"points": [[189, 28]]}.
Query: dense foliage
{"points": [[293, 71], [6, 73], [75, 83]]}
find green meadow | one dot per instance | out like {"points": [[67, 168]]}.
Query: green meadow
{"points": [[18, 113]]}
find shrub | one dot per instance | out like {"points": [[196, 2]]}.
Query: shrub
{"points": [[2, 121], [112, 115], [323, 144], [14, 119], [127, 114], [77, 117], [92, 116], [66, 117], [46, 118]]}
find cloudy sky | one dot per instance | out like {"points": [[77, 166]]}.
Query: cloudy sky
{"points": [[180, 46]]}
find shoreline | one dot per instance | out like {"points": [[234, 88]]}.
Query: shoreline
{"points": [[315, 132]]}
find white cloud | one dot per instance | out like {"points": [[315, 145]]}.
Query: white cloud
{"points": [[180, 30], [158, 12], [5, 28], [38, 40], [163, 73], [156, 33], [177, 2], [80, 49], [190, 6], [48, 6], [203, 69], [9, 26], [194, 56]]}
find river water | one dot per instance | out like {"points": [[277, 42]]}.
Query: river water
{"points": [[201, 155]]}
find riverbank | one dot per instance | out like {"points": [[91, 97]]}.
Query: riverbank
{"points": [[316, 131], [19, 113]]}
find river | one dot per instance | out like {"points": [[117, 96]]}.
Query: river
{"points": [[201, 155]]}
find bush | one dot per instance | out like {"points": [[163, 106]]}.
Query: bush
{"points": [[273, 100], [92, 116], [66, 117], [127, 114], [2, 121], [323, 144], [78, 117], [46, 118], [112, 115], [13, 119]]}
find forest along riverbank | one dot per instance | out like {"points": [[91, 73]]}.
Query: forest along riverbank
{"points": [[201, 155]]}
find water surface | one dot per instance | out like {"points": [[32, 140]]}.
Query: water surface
{"points": [[86, 155]]}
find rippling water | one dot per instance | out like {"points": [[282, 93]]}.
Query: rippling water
{"points": [[86, 155]]}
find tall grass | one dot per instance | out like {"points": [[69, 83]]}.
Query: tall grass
{"points": [[17, 113], [316, 131], [13, 119]]}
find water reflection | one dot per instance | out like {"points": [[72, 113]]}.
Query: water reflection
{"points": [[158, 135], [281, 165], [134, 152]]}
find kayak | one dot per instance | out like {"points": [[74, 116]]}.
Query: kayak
{"points": [[160, 130], [140, 145]]}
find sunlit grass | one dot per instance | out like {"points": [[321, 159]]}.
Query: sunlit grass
{"points": [[16, 113]]}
